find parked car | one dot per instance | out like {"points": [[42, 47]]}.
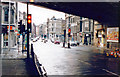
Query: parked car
{"points": [[42, 40], [45, 40], [52, 40], [73, 43], [77, 42], [31, 39], [38, 38], [35, 39], [57, 42]]}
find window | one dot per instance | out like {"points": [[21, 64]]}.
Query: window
{"points": [[52, 29], [80, 26], [73, 20], [86, 26], [12, 16], [81, 18], [6, 15]]}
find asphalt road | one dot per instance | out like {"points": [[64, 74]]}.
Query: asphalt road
{"points": [[80, 60]]}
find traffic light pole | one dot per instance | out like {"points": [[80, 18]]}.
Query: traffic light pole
{"points": [[64, 38], [69, 33], [68, 41], [28, 56]]}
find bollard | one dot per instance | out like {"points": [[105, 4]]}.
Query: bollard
{"points": [[115, 54], [111, 53]]}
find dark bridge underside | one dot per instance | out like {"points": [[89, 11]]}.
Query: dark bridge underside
{"points": [[104, 12]]}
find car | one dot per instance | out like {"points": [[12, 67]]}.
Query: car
{"points": [[42, 39], [31, 39], [52, 40], [45, 40], [57, 42], [77, 42], [35, 39], [73, 43]]}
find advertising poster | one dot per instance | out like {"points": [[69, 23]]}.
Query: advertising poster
{"points": [[113, 34]]}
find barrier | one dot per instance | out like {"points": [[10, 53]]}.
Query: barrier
{"points": [[40, 68]]}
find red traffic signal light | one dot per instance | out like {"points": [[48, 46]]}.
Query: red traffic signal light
{"points": [[29, 21], [29, 18], [69, 30]]}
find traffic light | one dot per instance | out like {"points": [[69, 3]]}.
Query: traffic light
{"points": [[4, 29], [19, 26], [22, 28], [29, 20], [69, 31]]}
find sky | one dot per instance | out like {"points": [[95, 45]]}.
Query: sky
{"points": [[40, 14]]}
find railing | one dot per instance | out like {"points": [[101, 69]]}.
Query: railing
{"points": [[40, 68]]}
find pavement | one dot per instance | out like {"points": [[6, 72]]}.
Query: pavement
{"points": [[15, 63], [13, 53]]}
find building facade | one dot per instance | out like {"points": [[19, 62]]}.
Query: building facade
{"points": [[55, 28], [87, 31], [43, 30], [5, 24], [33, 30], [81, 29]]}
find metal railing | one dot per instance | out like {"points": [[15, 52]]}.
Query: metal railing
{"points": [[40, 68]]}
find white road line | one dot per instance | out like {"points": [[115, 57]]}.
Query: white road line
{"points": [[85, 62], [102, 69], [111, 72]]}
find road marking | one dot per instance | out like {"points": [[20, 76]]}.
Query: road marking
{"points": [[85, 62], [102, 69], [111, 72]]}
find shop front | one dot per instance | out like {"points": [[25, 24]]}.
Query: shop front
{"points": [[99, 38], [87, 38], [6, 36]]}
